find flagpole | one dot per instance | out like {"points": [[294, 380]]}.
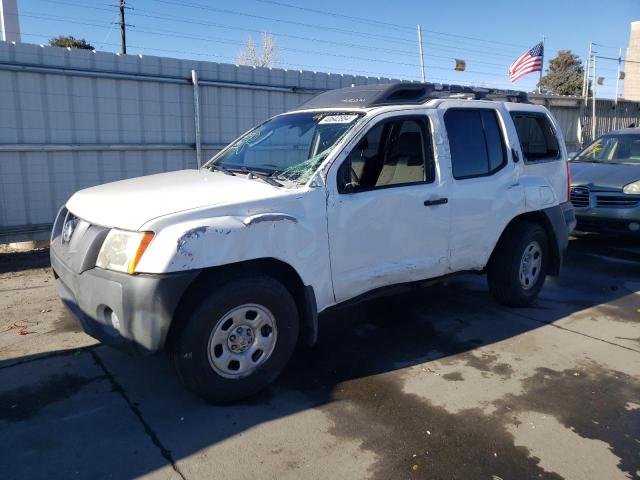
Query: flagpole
{"points": [[615, 117], [541, 68]]}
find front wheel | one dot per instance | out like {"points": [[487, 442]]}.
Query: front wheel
{"points": [[518, 266], [237, 338]]}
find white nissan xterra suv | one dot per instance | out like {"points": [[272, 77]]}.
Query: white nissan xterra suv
{"points": [[227, 267]]}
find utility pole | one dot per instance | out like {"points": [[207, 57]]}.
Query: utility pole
{"points": [[422, 76], [9, 21], [593, 103], [123, 35], [196, 116], [615, 116], [585, 82]]}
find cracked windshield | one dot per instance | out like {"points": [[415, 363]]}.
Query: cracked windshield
{"points": [[288, 148], [613, 149]]}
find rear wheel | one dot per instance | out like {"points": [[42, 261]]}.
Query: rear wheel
{"points": [[518, 266], [237, 339]]}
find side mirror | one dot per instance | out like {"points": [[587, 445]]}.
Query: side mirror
{"points": [[351, 187]]}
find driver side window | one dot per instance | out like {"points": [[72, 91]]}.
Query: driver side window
{"points": [[393, 153]]}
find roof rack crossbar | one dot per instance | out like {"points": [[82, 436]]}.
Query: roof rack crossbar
{"points": [[477, 93], [403, 93]]}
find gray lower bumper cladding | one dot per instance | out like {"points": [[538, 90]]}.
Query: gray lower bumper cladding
{"points": [[129, 312]]}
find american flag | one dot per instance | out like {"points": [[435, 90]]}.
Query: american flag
{"points": [[530, 61]]}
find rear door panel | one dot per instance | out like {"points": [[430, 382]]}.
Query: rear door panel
{"points": [[482, 206]]}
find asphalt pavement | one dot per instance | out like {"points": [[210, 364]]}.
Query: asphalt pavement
{"points": [[439, 383]]}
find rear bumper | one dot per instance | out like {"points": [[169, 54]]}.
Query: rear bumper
{"points": [[562, 221], [130, 312]]}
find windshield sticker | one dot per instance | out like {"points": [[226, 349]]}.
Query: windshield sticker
{"points": [[338, 119]]}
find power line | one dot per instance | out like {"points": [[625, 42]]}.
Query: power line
{"points": [[288, 22], [350, 57], [371, 21], [324, 27], [277, 34], [605, 46], [221, 40], [99, 45], [616, 60], [233, 42], [150, 14], [298, 50], [476, 39], [456, 48], [338, 15], [466, 49]]}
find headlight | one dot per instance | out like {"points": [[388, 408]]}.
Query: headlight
{"points": [[632, 188], [121, 250]]}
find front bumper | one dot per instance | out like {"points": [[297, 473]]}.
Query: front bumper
{"points": [[129, 312], [624, 221]]}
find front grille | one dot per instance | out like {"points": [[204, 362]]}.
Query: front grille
{"points": [[79, 250], [580, 197], [616, 201]]}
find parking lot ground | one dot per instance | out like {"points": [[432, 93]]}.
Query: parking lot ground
{"points": [[438, 383]]}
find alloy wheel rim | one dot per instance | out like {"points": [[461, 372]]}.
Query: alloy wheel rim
{"points": [[530, 265], [242, 340]]}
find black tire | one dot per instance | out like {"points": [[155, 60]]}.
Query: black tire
{"points": [[189, 350], [503, 271]]}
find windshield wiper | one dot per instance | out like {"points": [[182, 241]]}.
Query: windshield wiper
{"points": [[261, 176], [222, 169]]}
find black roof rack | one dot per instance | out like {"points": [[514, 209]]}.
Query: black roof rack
{"points": [[401, 93]]}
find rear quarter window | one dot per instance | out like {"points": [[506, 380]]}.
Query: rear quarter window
{"points": [[475, 142], [537, 136]]}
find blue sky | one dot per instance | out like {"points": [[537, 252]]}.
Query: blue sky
{"points": [[379, 39]]}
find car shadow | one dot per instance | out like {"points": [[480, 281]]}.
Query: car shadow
{"points": [[370, 339], [21, 261]]}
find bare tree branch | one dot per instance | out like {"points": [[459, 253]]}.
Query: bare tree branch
{"points": [[269, 52]]}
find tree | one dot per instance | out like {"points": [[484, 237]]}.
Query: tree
{"points": [[564, 76], [267, 57], [71, 42]]}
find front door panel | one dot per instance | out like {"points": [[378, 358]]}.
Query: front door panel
{"points": [[397, 230]]}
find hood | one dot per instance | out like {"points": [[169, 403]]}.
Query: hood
{"points": [[129, 204], [604, 175]]}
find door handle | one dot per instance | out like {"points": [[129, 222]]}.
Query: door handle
{"points": [[437, 201]]}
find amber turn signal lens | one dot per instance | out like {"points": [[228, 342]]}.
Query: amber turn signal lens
{"points": [[144, 243]]}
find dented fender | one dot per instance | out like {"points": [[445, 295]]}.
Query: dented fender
{"points": [[229, 239], [297, 237]]}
